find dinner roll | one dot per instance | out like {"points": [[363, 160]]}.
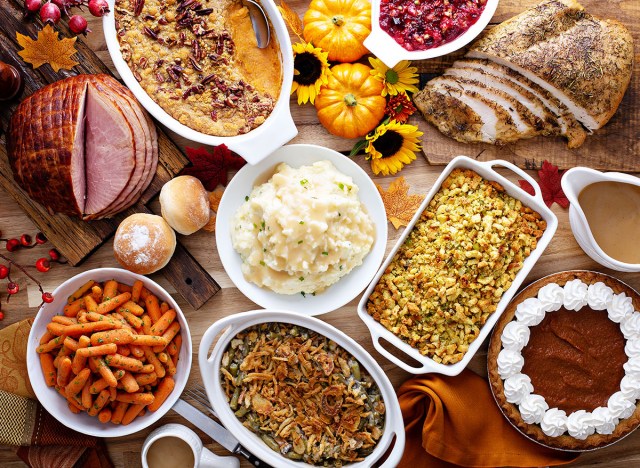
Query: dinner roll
{"points": [[185, 204], [144, 243]]}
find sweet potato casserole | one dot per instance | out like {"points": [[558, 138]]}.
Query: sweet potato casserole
{"points": [[449, 275], [198, 60], [306, 397]]}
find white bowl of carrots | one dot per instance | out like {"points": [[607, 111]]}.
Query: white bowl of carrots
{"points": [[111, 354]]}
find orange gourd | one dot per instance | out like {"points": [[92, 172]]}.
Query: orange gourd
{"points": [[351, 104], [338, 27]]}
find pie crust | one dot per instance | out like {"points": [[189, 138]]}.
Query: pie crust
{"points": [[511, 411]]}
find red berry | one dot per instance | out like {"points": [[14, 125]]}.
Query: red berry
{"points": [[33, 6], [4, 271], [1, 315], [25, 240], [47, 297], [13, 244], [50, 13], [43, 265], [98, 7], [41, 239], [78, 25], [13, 288], [54, 255]]}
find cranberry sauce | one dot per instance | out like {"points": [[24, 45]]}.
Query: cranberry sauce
{"points": [[425, 24]]}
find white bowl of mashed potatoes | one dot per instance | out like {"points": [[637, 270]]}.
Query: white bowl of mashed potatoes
{"points": [[304, 230]]}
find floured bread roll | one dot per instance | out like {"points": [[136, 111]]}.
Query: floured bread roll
{"points": [[144, 243], [185, 204]]}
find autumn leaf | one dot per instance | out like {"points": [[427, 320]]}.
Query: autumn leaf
{"points": [[399, 205], [47, 48], [291, 18], [214, 203], [212, 168], [550, 185]]}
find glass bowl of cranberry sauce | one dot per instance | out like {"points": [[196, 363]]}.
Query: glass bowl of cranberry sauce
{"points": [[423, 29]]}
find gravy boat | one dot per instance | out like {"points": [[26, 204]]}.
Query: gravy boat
{"points": [[573, 182]]}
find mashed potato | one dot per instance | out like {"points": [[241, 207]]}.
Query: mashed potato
{"points": [[303, 230]]}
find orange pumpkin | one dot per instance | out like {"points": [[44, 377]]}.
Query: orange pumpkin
{"points": [[351, 104], [338, 27]]}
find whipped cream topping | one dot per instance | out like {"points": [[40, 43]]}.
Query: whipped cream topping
{"points": [[554, 422], [515, 336], [599, 295], [533, 408], [510, 363], [580, 424], [575, 295], [530, 312], [518, 389], [603, 420]]}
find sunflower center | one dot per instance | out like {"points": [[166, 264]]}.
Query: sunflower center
{"points": [[309, 68], [389, 143], [391, 76]]}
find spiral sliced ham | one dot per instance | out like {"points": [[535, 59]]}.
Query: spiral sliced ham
{"points": [[83, 146]]}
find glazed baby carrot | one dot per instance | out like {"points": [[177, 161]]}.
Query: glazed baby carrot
{"points": [[80, 291], [146, 379], [147, 369], [72, 309], [153, 308], [56, 328], [113, 303], [104, 371], [101, 350], [79, 361], [165, 387], [123, 362], [131, 307], [98, 404], [70, 343], [153, 359], [64, 320], [90, 304], [164, 307], [87, 328], [75, 386], [96, 293], [48, 369], [131, 413], [134, 321], [96, 317], [120, 336], [124, 288], [118, 412], [110, 290], [46, 337], [146, 324], [85, 396], [136, 398], [104, 416], [149, 340], [51, 344], [163, 322], [124, 350], [101, 383], [135, 290], [171, 332], [171, 368], [64, 371], [136, 350], [129, 383], [74, 401]]}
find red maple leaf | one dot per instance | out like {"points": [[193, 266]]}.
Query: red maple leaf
{"points": [[212, 168], [550, 186]]}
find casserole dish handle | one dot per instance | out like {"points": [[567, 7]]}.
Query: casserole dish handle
{"points": [[520, 172], [375, 337], [204, 359]]}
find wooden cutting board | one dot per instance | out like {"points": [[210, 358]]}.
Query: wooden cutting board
{"points": [[615, 147], [74, 238]]}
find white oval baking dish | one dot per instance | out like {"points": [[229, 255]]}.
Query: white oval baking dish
{"points": [[253, 146], [573, 181], [224, 330], [487, 171]]}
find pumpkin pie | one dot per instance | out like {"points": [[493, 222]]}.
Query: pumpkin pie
{"points": [[564, 360]]}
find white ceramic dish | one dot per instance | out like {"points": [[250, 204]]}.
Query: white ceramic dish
{"points": [[487, 171], [253, 146], [349, 286], [390, 52], [54, 403], [224, 330], [573, 181]]}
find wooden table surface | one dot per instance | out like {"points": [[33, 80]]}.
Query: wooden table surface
{"points": [[562, 254]]}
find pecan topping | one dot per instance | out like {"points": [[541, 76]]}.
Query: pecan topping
{"points": [[149, 32], [139, 5]]}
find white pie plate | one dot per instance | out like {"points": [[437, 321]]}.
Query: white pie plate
{"points": [[349, 286], [253, 146], [223, 331], [487, 171], [55, 404]]}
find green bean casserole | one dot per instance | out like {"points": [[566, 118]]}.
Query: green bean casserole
{"points": [[302, 394]]}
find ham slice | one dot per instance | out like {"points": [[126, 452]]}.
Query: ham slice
{"points": [[83, 146]]}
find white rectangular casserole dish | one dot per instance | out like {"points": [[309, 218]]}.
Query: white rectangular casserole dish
{"points": [[487, 171]]}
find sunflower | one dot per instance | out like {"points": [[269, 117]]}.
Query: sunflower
{"points": [[399, 108], [391, 146], [310, 71], [398, 79]]}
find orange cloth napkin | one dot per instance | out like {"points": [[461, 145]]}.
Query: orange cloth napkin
{"points": [[453, 421], [42, 441]]}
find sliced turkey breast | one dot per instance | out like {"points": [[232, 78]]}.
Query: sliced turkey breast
{"points": [[569, 126], [583, 61]]}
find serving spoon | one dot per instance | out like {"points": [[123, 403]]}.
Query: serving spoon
{"points": [[259, 23]]}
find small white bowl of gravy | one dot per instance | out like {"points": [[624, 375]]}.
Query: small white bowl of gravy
{"points": [[605, 216]]}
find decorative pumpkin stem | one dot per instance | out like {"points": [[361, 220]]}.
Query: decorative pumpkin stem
{"points": [[338, 20], [350, 100]]}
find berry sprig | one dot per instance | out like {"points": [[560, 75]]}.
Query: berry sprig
{"points": [[13, 287], [52, 10]]}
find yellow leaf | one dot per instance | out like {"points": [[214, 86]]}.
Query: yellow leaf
{"points": [[291, 18], [214, 199], [399, 205], [47, 48], [211, 225]]}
